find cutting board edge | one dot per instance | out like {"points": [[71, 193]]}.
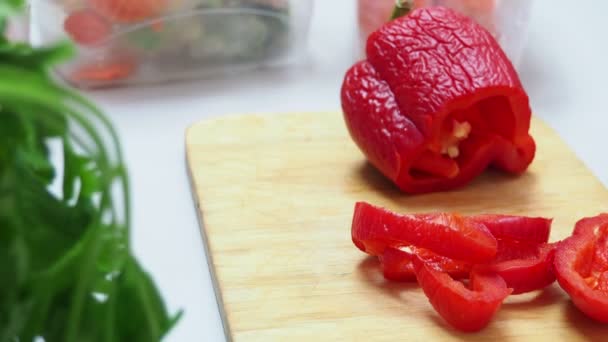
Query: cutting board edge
{"points": [[219, 297]]}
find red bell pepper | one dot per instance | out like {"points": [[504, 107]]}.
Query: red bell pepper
{"points": [[436, 102], [524, 267], [374, 229], [581, 266], [397, 264], [523, 258], [466, 309], [519, 228]]}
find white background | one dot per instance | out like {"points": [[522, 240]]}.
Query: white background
{"points": [[564, 69]]}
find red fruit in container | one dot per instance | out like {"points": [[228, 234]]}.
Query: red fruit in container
{"points": [[129, 10], [86, 27], [107, 70]]}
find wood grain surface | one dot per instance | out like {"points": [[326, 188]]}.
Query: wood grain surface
{"points": [[275, 195]]}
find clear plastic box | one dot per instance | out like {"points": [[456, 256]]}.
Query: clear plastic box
{"points": [[507, 20], [127, 42]]}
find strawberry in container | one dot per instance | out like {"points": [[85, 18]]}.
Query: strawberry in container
{"points": [[92, 24]]}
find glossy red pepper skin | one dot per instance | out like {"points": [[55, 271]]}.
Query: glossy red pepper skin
{"points": [[423, 72], [581, 266], [523, 259], [532, 230], [466, 309], [524, 267], [397, 264], [518, 228], [374, 229]]}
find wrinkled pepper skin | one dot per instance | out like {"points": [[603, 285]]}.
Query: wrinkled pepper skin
{"points": [[529, 269], [581, 266], [436, 102]]}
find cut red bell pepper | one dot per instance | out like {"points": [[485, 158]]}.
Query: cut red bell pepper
{"points": [[581, 266], [397, 264], [374, 229], [519, 228], [522, 259], [524, 267], [466, 309], [436, 102]]}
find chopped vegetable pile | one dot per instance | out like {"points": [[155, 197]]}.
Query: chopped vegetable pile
{"points": [[67, 269], [499, 254]]}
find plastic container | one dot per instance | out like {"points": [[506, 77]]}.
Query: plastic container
{"points": [[127, 42], [507, 20]]}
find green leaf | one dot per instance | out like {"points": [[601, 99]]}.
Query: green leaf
{"points": [[10, 7], [143, 306], [23, 55], [67, 270]]}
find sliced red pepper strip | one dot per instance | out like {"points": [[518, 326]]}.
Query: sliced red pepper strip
{"points": [[397, 264], [517, 228], [374, 229], [524, 267], [436, 102], [581, 264], [463, 308], [520, 228], [524, 264]]}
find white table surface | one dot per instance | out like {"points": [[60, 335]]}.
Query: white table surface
{"points": [[564, 69]]}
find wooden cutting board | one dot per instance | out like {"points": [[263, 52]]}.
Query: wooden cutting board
{"points": [[276, 196]]}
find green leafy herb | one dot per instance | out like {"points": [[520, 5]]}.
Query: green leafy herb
{"points": [[67, 272]]}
